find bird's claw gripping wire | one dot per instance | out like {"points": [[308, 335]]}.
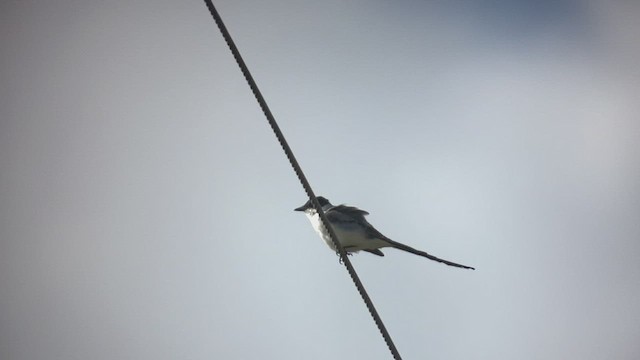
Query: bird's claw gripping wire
{"points": [[340, 257]]}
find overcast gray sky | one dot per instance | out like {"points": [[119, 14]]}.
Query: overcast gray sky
{"points": [[146, 208]]}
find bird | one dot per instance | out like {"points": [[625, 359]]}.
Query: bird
{"points": [[355, 233]]}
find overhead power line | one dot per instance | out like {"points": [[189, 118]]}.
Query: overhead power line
{"points": [[303, 180]]}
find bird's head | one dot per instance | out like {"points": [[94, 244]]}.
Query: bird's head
{"points": [[309, 208]]}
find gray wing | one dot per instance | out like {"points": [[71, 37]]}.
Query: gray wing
{"points": [[345, 215], [352, 216]]}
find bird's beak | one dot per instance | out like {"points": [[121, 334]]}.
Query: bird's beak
{"points": [[301, 208]]}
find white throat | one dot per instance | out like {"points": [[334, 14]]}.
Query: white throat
{"points": [[314, 218]]}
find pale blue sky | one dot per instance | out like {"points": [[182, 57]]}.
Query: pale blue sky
{"points": [[146, 208]]}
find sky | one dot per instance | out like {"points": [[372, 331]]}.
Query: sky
{"points": [[146, 209]]}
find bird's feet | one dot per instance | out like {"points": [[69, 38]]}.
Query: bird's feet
{"points": [[340, 257]]}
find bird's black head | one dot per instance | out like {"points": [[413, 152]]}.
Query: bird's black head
{"points": [[309, 205]]}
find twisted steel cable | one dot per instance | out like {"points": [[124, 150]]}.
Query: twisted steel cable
{"points": [[303, 180]]}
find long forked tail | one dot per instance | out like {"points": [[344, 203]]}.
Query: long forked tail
{"points": [[404, 247]]}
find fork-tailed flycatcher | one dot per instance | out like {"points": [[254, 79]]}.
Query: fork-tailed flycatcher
{"points": [[355, 233]]}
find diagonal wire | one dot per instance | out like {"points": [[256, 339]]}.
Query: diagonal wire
{"points": [[303, 180]]}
